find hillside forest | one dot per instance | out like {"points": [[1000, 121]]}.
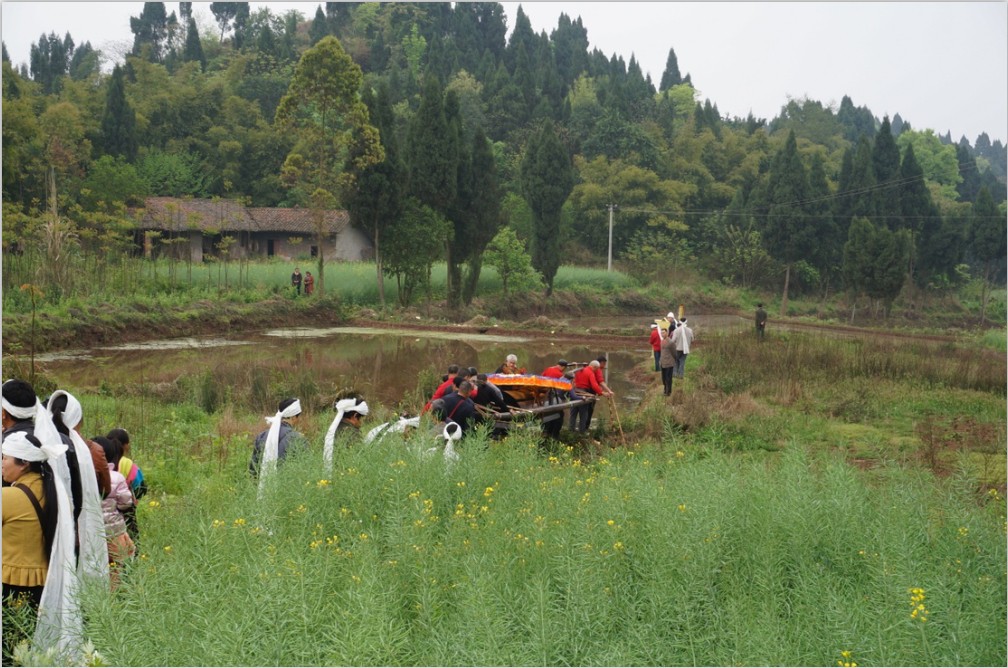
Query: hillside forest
{"points": [[437, 131]]}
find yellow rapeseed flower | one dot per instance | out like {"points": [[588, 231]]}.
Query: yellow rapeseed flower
{"points": [[239, 522], [154, 504], [167, 548], [322, 483]]}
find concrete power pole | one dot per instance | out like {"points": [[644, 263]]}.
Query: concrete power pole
{"points": [[611, 207]]}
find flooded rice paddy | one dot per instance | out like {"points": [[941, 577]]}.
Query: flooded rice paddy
{"points": [[384, 364]]}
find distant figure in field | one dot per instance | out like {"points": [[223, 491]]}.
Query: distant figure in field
{"points": [[296, 280], [761, 317], [309, 284]]}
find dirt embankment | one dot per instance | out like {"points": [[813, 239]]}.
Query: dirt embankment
{"points": [[132, 323]]}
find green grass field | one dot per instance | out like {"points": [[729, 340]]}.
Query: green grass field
{"points": [[805, 501]]}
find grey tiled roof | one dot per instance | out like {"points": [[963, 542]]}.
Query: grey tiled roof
{"points": [[213, 216]]}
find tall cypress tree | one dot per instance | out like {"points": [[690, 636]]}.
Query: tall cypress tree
{"points": [[788, 232], [886, 164], [118, 124], [928, 256], [376, 203], [193, 51], [483, 207], [547, 179], [670, 77], [988, 243]]}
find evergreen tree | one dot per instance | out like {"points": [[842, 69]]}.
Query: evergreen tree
{"points": [[84, 62], [118, 124], [483, 210], [224, 13], [570, 48], [929, 257], [6, 56], [431, 160], [987, 243], [886, 165], [493, 27], [376, 203], [788, 233], [319, 26], [547, 178], [670, 77], [969, 187], [193, 47], [150, 32]]}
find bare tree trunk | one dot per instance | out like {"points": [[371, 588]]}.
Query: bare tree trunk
{"points": [[378, 267], [787, 281]]}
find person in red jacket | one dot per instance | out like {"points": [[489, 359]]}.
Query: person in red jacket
{"points": [[443, 387], [557, 370], [586, 385], [656, 340]]}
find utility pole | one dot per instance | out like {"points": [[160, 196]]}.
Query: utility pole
{"points": [[611, 207]]}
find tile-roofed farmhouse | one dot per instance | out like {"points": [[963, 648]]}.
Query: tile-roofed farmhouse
{"points": [[257, 231]]}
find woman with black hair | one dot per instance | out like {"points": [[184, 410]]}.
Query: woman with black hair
{"points": [[37, 529]]}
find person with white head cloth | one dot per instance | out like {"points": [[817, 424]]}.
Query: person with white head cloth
{"points": [[349, 412], [39, 563], [66, 414], [274, 444]]}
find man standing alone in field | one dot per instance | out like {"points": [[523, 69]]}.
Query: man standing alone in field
{"points": [[761, 317]]}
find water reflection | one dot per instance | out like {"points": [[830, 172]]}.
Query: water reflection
{"points": [[384, 364]]}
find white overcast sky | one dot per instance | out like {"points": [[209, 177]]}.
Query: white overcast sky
{"points": [[940, 65]]}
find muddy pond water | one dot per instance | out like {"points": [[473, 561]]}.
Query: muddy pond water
{"points": [[384, 364]]}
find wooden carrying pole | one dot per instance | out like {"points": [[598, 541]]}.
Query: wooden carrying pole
{"points": [[612, 407]]}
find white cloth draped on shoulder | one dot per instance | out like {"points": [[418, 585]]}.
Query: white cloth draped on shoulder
{"points": [[93, 561], [394, 427], [343, 406], [270, 448]]}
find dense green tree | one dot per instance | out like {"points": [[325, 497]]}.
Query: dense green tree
{"points": [[857, 122], [930, 254], [506, 253], [886, 166], [84, 63], [938, 160], [987, 243], [193, 47], [150, 32], [118, 125], [789, 233], [417, 242], [111, 184], [431, 160], [646, 203], [224, 13], [50, 60], [319, 26], [376, 203], [671, 76], [969, 185], [323, 110], [547, 178], [570, 46], [481, 204]]}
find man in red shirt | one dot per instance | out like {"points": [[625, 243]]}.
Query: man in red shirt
{"points": [[443, 387], [586, 386], [557, 370]]}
